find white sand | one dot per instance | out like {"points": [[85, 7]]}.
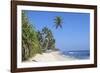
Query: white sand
{"points": [[49, 57]]}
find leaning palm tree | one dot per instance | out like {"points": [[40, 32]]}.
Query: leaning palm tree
{"points": [[46, 39], [58, 22]]}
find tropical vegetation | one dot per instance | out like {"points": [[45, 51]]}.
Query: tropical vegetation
{"points": [[58, 22], [36, 41], [30, 42]]}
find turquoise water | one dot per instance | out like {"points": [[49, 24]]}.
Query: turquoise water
{"points": [[79, 54]]}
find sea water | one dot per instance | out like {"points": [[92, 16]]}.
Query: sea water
{"points": [[78, 54]]}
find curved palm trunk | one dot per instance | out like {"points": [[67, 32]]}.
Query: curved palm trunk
{"points": [[46, 45]]}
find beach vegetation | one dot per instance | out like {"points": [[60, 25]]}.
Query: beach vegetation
{"points": [[35, 41]]}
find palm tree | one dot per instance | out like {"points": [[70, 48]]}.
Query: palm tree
{"points": [[30, 42], [45, 38], [48, 39], [58, 22]]}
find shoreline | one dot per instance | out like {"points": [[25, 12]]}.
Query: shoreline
{"points": [[50, 57]]}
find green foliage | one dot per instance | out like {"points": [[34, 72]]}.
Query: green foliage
{"points": [[46, 38], [34, 42], [58, 22], [30, 42]]}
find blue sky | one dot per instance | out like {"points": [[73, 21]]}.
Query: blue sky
{"points": [[74, 34]]}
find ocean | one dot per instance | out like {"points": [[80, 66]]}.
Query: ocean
{"points": [[79, 54]]}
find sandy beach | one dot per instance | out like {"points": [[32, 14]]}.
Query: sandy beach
{"points": [[49, 57]]}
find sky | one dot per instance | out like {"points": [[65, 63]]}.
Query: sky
{"points": [[75, 31]]}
